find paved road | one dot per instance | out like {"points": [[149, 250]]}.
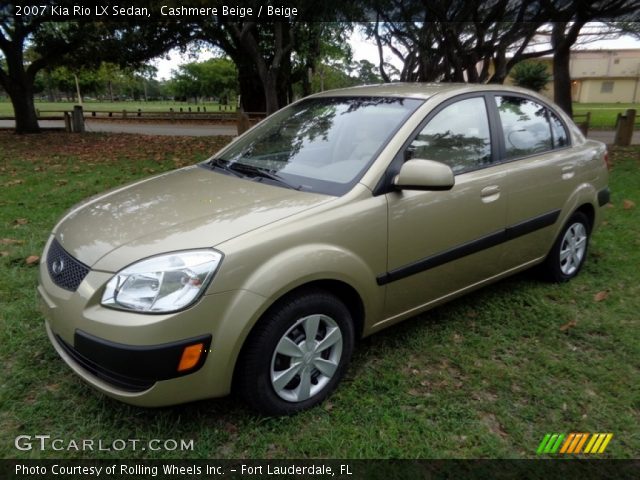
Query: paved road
{"points": [[200, 130], [608, 136]]}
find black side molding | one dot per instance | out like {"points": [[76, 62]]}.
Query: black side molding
{"points": [[604, 196], [528, 226], [438, 259], [474, 246]]}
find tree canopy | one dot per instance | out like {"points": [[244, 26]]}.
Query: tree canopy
{"points": [[275, 60], [216, 77], [72, 43], [481, 40]]}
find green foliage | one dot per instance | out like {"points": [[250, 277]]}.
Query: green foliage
{"points": [[216, 77], [367, 72], [328, 77], [107, 81], [531, 75], [342, 75]]}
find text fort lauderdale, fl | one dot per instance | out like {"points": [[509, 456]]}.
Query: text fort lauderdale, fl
{"points": [[170, 469]]}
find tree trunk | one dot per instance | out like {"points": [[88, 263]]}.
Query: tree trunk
{"points": [[251, 91], [283, 83], [561, 42], [500, 67], [271, 92], [562, 80], [21, 95], [18, 83]]}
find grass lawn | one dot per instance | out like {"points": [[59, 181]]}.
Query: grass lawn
{"points": [[603, 115], [485, 376], [6, 109]]}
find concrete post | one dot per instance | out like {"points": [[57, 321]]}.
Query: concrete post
{"points": [[67, 122], [243, 123], [585, 125], [624, 128], [77, 119]]}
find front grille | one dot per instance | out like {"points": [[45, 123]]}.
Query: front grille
{"points": [[117, 380], [65, 271]]}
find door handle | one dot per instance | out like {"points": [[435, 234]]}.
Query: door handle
{"points": [[490, 193], [568, 172]]}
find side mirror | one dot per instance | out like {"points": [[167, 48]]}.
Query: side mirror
{"points": [[417, 174]]}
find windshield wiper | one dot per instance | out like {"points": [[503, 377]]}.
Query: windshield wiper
{"points": [[223, 165], [259, 172]]}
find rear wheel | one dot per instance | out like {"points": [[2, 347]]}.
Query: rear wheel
{"points": [[570, 249], [297, 354]]}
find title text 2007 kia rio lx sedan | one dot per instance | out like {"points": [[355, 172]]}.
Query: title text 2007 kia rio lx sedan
{"points": [[334, 218]]}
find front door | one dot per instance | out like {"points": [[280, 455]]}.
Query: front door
{"points": [[441, 242]]}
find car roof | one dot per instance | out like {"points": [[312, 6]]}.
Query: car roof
{"points": [[416, 90]]}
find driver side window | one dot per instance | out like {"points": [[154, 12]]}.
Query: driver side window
{"points": [[458, 136]]}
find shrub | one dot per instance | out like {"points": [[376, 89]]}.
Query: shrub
{"points": [[532, 75]]}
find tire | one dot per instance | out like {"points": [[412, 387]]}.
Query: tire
{"points": [[280, 371], [569, 250]]}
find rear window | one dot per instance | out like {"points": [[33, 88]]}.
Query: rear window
{"points": [[525, 126]]}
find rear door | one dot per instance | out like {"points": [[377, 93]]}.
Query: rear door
{"points": [[542, 175]]}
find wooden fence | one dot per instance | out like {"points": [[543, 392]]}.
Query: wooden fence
{"points": [[582, 120], [74, 118], [177, 114]]}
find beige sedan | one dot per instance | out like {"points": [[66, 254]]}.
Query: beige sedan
{"points": [[334, 218]]}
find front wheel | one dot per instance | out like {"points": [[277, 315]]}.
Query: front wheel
{"points": [[570, 249], [297, 354]]}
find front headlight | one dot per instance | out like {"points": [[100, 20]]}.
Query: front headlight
{"points": [[164, 283]]}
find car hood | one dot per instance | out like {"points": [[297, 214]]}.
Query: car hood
{"points": [[184, 209]]}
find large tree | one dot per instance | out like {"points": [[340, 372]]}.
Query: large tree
{"points": [[570, 18], [448, 40], [18, 75], [271, 55], [76, 43], [216, 77]]}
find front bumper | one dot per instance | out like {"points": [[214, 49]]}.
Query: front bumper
{"points": [[133, 368], [132, 356]]}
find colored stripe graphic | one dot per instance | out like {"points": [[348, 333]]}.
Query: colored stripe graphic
{"points": [[550, 443], [598, 443], [606, 442], [584, 439], [568, 442], [543, 443], [556, 445], [573, 443]]}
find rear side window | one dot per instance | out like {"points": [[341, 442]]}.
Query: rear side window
{"points": [[458, 135], [560, 137], [525, 125]]}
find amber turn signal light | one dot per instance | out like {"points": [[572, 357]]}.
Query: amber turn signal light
{"points": [[190, 356]]}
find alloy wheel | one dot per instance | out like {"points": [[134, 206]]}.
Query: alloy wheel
{"points": [[306, 358], [572, 248]]}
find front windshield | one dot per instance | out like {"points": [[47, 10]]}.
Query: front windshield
{"points": [[321, 144]]}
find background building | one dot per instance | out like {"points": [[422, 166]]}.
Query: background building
{"points": [[600, 76], [607, 76]]}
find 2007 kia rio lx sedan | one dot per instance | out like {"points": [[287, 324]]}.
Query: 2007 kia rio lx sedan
{"points": [[334, 218]]}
